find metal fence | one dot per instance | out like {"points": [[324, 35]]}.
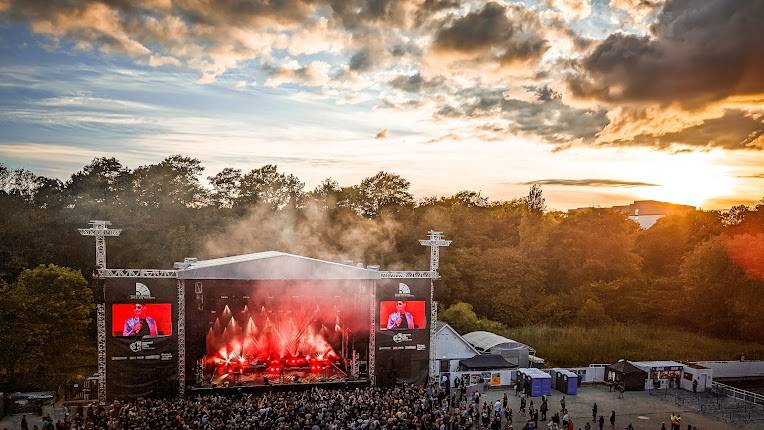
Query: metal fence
{"points": [[737, 393]]}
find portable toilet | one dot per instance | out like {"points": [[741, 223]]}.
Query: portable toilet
{"points": [[541, 383], [566, 381]]}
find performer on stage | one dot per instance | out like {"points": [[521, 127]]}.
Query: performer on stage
{"points": [[139, 325], [400, 319]]}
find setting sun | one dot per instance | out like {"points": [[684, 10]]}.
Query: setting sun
{"points": [[689, 178]]}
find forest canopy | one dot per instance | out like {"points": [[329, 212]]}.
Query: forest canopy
{"points": [[514, 262]]}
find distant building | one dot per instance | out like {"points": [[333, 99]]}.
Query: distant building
{"points": [[451, 347], [514, 352], [647, 212]]}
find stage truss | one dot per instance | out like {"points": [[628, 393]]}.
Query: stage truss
{"points": [[181, 338], [101, 339], [372, 338], [136, 273]]}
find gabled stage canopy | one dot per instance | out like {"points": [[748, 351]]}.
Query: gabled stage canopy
{"points": [[270, 265]]}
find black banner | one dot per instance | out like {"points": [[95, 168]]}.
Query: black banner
{"points": [[141, 337], [403, 331]]}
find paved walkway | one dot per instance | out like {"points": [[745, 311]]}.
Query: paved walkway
{"points": [[643, 411]]}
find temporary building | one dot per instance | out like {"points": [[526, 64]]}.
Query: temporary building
{"points": [[492, 343], [450, 348], [485, 362], [623, 372]]}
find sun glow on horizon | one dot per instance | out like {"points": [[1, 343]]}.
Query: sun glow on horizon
{"points": [[689, 178]]}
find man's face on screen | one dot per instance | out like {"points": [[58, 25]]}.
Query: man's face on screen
{"points": [[400, 306], [138, 310]]}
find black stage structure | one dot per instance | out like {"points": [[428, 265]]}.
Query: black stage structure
{"points": [[267, 320]]}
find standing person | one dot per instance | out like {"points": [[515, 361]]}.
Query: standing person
{"points": [[594, 412], [602, 422], [562, 403], [504, 401], [663, 426], [522, 404], [695, 387], [543, 409], [612, 419], [24, 424]]}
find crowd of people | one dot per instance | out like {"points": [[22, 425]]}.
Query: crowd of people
{"points": [[401, 407], [392, 408]]}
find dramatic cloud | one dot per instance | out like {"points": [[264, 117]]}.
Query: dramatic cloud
{"points": [[547, 117], [381, 134], [735, 129], [590, 183], [415, 83], [496, 33], [698, 52], [692, 78], [315, 74], [572, 9], [636, 10]]}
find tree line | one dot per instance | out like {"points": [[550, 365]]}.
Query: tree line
{"points": [[514, 261]]}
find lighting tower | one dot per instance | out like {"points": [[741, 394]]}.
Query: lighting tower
{"points": [[100, 230], [435, 241]]}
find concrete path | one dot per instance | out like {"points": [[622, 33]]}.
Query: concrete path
{"points": [[643, 411]]}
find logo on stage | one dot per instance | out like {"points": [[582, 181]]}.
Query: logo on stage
{"points": [[404, 290], [142, 292], [402, 337], [139, 346]]}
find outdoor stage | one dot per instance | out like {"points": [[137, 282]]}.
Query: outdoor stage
{"points": [[266, 320]]}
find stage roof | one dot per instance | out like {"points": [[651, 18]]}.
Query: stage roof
{"points": [[270, 265], [484, 340]]}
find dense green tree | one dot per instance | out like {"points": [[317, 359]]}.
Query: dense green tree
{"points": [[105, 181], [268, 187], [44, 318], [591, 245], [172, 182], [225, 187], [381, 191]]}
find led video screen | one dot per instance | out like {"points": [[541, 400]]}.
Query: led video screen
{"points": [[141, 319], [402, 315]]}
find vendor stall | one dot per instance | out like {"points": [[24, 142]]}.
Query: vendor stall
{"points": [[624, 373], [661, 374]]}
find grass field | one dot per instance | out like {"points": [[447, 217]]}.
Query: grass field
{"points": [[578, 346]]}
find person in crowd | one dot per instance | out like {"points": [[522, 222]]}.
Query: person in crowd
{"points": [[594, 412], [602, 422], [612, 419]]}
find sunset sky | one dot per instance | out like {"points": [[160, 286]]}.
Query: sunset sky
{"points": [[600, 101]]}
